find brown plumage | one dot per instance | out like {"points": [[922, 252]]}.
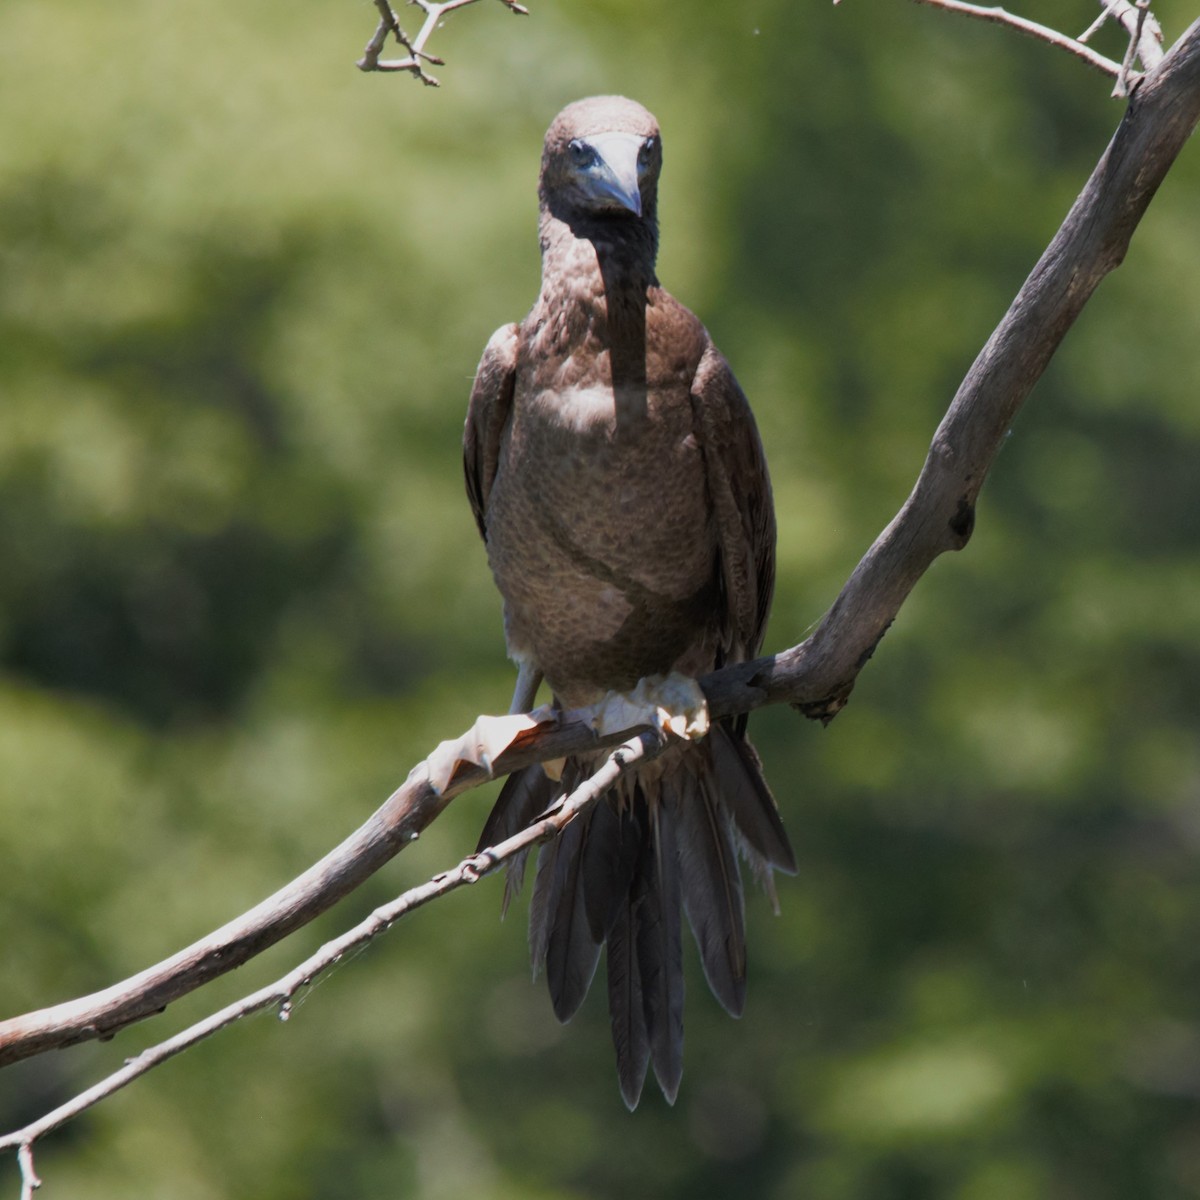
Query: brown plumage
{"points": [[618, 480]]}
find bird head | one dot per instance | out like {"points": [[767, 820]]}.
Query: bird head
{"points": [[602, 159]]}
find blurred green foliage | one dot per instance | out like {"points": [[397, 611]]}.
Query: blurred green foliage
{"points": [[243, 289]]}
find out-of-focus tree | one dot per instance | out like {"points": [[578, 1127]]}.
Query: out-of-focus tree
{"points": [[242, 292]]}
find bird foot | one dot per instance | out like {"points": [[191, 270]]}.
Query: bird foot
{"points": [[483, 743], [672, 703]]}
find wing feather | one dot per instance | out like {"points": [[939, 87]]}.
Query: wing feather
{"points": [[487, 415], [743, 510]]}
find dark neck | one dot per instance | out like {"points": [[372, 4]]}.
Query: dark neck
{"points": [[625, 247], [609, 263]]}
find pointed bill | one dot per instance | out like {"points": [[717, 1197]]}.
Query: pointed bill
{"points": [[617, 179]]}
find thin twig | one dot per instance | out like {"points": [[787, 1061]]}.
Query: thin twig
{"points": [[1145, 40], [388, 24], [1140, 24], [1000, 16], [1142, 27], [1097, 24], [1123, 79], [1135, 16], [29, 1177], [645, 745]]}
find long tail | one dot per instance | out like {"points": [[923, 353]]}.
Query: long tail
{"points": [[618, 878]]}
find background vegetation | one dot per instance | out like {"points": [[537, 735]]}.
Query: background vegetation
{"points": [[243, 289]]}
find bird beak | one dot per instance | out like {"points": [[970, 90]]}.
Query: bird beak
{"points": [[617, 176]]}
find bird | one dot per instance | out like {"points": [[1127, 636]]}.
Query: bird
{"points": [[619, 482]]}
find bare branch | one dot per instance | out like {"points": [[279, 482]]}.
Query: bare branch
{"points": [[1145, 35], [29, 1178], [1145, 40], [645, 745], [389, 24], [1139, 23], [1144, 31], [1044, 33]]}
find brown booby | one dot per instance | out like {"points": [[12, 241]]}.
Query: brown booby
{"points": [[618, 480]]}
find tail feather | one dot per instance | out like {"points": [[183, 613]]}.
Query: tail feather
{"points": [[571, 951], [525, 795], [543, 902], [744, 792], [613, 846], [620, 877], [628, 1018], [557, 860], [660, 951], [711, 885]]}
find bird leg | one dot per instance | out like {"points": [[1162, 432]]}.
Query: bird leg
{"points": [[529, 679]]}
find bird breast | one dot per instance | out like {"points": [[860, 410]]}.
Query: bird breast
{"points": [[593, 538]]}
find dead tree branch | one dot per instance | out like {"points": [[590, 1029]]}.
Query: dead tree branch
{"points": [[390, 25]]}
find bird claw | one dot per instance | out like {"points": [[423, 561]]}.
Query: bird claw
{"points": [[671, 703]]}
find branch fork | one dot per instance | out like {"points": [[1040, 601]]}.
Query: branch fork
{"points": [[389, 24]]}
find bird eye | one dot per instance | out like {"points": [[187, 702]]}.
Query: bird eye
{"points": [[645, 152], [582, 155]]}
